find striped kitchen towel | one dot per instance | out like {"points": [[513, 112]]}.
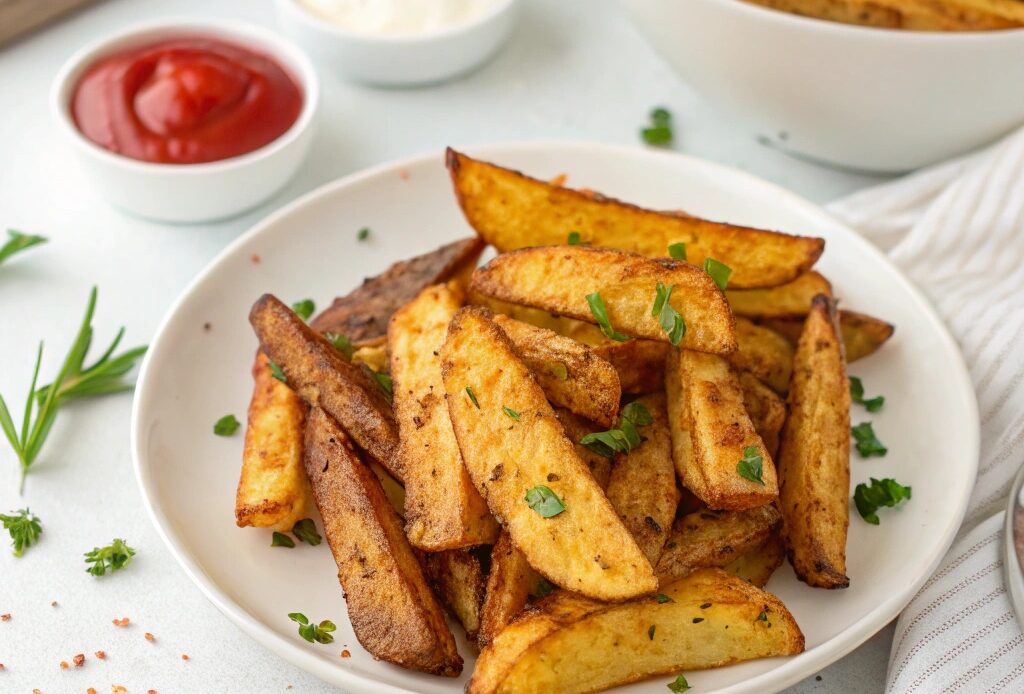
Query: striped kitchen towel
{"points": [[957, 230]]}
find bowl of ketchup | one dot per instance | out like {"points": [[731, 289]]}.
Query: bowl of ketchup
{"points": [[188, 121]]}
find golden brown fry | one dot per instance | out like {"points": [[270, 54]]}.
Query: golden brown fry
{"points": [[766, 409], [559, 279], [393, 612], [572, 375], [458, 580], [714, 538], [586, 651], [585, 546], [576, 428], [814, 458], [272, 490], [916, 15], [324, 378], [758, 565], [785, 301], [764, 353], [862, 334], [443, 510], [374, 356], [508, 587], [642, 487], [640, 363], [513, 211]]}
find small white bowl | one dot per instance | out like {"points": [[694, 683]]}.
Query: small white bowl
{"points": [[400, 61], [189, 193], [866, 98]]}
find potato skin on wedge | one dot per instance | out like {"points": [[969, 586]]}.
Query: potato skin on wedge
{"points": [[393, 612], [618, 644], [814, 456], [513, 211], [458, 580], [862, 334], [559, 279], [766, 409], [508, 588], [784, 301], [640, 363], [585, 547], [758, 565], [764, 353]]}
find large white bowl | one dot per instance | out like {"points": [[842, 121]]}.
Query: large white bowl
{"points": [[874, 99], [191, 192]]}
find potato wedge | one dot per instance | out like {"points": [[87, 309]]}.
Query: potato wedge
{"points": [[785, 301], [618, 644], [814, 457], [764, 353], [916, 15], [576, 428], [443, 510], [758, 565], [639, 363], [513, 211], [714, 538], [766, 409], [572, 375], [272, 490], [324, 378], [512, 443], [559, 279], [458, 580], [508, 588], [862, 335], [393, 612], [642, 487], [712, 432]]}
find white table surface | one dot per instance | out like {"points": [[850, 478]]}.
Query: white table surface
{"points": [[573, 70]]}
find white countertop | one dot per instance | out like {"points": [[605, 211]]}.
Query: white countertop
{"points": [[573, 70]]}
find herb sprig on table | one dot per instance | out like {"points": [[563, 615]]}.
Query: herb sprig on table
{"points": [[113, 557], [24, 527], [17, 242]]}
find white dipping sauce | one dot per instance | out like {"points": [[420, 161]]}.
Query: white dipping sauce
{"points": [[397, 17]]}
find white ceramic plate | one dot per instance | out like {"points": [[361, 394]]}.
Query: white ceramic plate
{"points": [[192, 376]]}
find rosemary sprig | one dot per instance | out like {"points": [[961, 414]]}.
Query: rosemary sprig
{"points": [[73, 381]]}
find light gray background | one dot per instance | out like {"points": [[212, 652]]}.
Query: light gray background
{"points": [[573, 70]]}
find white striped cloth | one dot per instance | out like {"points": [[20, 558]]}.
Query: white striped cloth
{"points": [[957, 229]]}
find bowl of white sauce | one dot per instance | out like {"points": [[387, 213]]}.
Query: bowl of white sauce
{"points": [[399, 42]]}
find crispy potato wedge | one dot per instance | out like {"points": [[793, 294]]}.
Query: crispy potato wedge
{"points": [[443, 510], [508, 588], [764, 353], [393, 612], [559, 278], [576, 428], [916, 15], [714, 538], [785, 301], [585, 546], [642, 487], [814, 457], [618, 644], [862, 335], [758, 565], [766, 409], [272, 490], [374, 356], [324, 378], [458, 580], [571, 374], [711, 431], [513, 211], [639, 363]]}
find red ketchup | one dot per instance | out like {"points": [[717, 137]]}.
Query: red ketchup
{"points": [[185, 101]]}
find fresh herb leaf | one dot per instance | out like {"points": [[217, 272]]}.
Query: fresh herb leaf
{"points": [[857, 395], [24, 527], [869, 498], [544, 501], [384, 381], [543, 588], [472, 396], [281, 540], [18, 242], [677, 251], [597, 308], [671, 322], [762, 617], [74, 380], [662, 598], [650, 632], [276, 372], [298, 617], [868, 444], [304, 309], [363, 234], [680, 685], [511, 413], [113, 557], [559, 370], [341, 343], [305, 530], [750, 465], [575, 239], [623, 439], [226, 425], [719, 272], [320, 633], [659, 132]]}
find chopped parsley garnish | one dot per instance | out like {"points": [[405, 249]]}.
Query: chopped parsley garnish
{"points": [[512, 414], [559, 370], [662, 598], [304, 309], [719, 272], [226, 425], [18, 242], [650, 632], [868, 444], [677, 251], [601, 316], [575, 239], [750, 465], [763, 617], [321, 633], [472, 396], [384, 381], [276, 372], [305, 530], [623, 439], [113, 557], [281, 540], [857, 395], [659, 132], [341, 343], [671, 322], [363, 234], [869, 498], [680, 685], [543, 588], [544, 501], [24, 527]]}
